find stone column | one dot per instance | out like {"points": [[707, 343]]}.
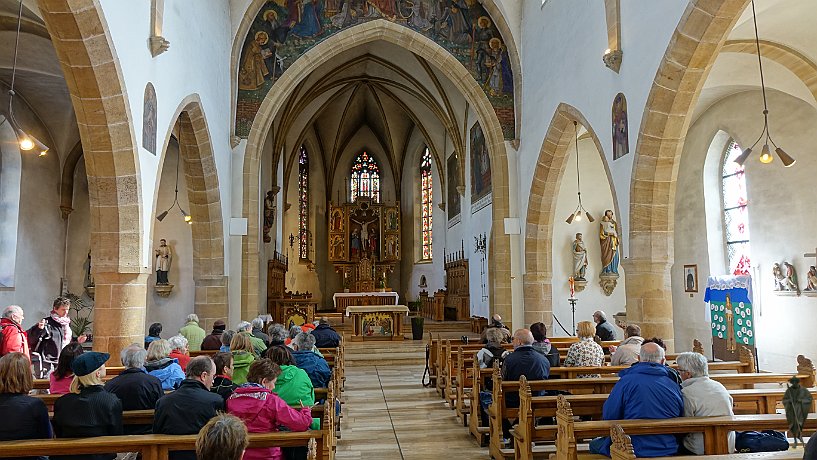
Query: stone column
{"points": [[649, 298], [119, 312], [211, 300], [539, 299]]}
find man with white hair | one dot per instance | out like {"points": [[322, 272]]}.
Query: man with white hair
{"points": [[258, 330], [604, 330], [135, 388], [258, 345], [496, 323], [703, 397], [14, 338], [193, 332], [315, 366], [644, 390]]}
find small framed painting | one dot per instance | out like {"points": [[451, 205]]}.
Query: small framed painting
{"points": [[690, 278]]}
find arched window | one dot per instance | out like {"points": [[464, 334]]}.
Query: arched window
{"points": [[735, 212], [365, 178], [303, 204], [426, 202]]}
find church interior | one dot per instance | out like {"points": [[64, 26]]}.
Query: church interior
{"points": [[533, 159]]}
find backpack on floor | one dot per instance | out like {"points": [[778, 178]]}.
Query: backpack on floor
{"points": [[763, 441]]}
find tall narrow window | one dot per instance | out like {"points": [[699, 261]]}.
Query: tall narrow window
{"points": [[365, 180], [735, 212], [303, 204], [426, 202]]}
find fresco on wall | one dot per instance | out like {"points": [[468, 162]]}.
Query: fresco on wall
{"points": [[621, 144], [284, 30], [453, 198], [480, 165], [149, 120]]}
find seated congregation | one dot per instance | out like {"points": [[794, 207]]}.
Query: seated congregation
{"points": [[276, 383]]}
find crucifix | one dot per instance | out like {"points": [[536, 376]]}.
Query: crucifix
{"points": [[811, 276]]}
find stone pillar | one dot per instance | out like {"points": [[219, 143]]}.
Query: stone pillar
{"points": [[211, 300], [539, 299], [649, 298], [119, 312]]}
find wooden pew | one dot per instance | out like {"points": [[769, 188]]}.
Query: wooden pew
{"points": [[622, 449], [714, 429]]}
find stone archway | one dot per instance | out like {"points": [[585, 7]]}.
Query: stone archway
{"points": [[204, 200], [544, 194], [83, 44], [377, 30], [697, 40]]}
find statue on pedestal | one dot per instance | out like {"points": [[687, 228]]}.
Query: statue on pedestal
{"points": [[609, 242], [811, 277], [579, 258], [163, 258]]}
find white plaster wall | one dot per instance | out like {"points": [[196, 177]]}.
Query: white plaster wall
{"points": [[198, 61], [596, 198], [171, 311], [781, 216], [79, 235]]}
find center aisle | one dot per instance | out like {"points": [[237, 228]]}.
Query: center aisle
{"points": [[388, 414]]}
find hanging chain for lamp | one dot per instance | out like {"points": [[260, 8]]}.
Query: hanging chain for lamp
{"points": [[27, 142], [765, 154], [577, 214], [187, 217]]}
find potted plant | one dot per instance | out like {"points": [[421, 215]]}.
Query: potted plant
{"points": [[80, 314]]}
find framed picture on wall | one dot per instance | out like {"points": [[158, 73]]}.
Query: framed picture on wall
{"points": [[690, 278]]}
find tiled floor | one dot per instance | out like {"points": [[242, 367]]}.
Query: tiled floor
{"points": [[387, 414]]}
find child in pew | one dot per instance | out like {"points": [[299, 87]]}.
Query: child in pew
{"points": [[60, 380], [263, 411], [24, 417]]}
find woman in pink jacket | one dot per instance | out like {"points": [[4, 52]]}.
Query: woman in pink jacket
{"points": [[262, 410]]}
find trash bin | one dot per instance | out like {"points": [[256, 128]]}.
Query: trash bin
{"points": [[417, 327]]}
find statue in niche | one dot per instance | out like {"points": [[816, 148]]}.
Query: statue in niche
{"points": [[785, 277], [163, 258], [579, 258], [609, 244], [269, 215], [811, 278]]}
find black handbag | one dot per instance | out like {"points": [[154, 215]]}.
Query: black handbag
{"points": [[763, 441]]}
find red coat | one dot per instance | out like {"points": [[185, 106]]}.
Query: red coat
{"points": [[15, 338], [182, 358]]}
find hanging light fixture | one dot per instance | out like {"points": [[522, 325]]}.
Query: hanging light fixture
{"points": [[187, 217], [27, 141], [765, 154], [577, 214]]}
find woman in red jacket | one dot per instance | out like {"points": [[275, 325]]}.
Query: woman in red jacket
{"points": [[15, 339], [262, 410]]}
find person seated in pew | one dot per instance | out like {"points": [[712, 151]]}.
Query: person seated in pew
{"points": [[88, 410], [154, 332], [135, 388], [224, 437], [492, 351], [263, 411], [645, 391], [325, 336], [191, 406], [243, 355], [496, 323], [543, 345], [810, 452], [226, 339], [213, 341], [293, 332], [193, 332], [277, 334], [258, 331], [25, 417], [180, 350], [160, 365], [258, 344], [604, 330], [703, 397], [315, 366], [626, 354], [524, 360], [223, 384], [672, 371], [293, 385], [59, 382], [585, 352]]}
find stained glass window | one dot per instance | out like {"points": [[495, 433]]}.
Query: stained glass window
{"points": [[426, 202], [365, 178], [303, 204], [735, 212]]}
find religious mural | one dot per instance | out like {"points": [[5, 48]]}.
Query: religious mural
{"points": [[149, 121], [377, 325], [284, 30], [453, 198], [480, 165], [621, 143]]}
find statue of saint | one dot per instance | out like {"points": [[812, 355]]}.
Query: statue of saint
{"points": [[608, 237], [777, 273], [269, 215], [811, 276], [579, 258], [354, 244], [163, 258]]}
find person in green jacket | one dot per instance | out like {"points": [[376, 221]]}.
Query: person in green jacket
{"points": [[258, 344], [293, 385], [243, 356], [193, 333]]}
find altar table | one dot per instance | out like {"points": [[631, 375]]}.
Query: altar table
{"points": [[377, 322], [346, 299]]}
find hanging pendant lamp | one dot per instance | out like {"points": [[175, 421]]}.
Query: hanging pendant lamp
{"points": [[577, 214], [187, 217]]}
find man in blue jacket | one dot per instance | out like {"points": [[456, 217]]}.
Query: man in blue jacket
{"points": [[315, 366], [645, 390]]}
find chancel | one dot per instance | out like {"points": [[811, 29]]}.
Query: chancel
{"points": [[441, 188]]}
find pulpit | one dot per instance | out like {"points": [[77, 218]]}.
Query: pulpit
{"points": [[377, 322], [293, 308]]}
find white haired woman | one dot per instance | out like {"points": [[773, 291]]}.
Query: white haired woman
{"points": [[180, 350]]}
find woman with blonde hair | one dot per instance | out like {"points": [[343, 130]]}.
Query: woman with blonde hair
{"points": [[24, 417], [242, 349], [585, 352], [162, 366], [88, 410]]}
